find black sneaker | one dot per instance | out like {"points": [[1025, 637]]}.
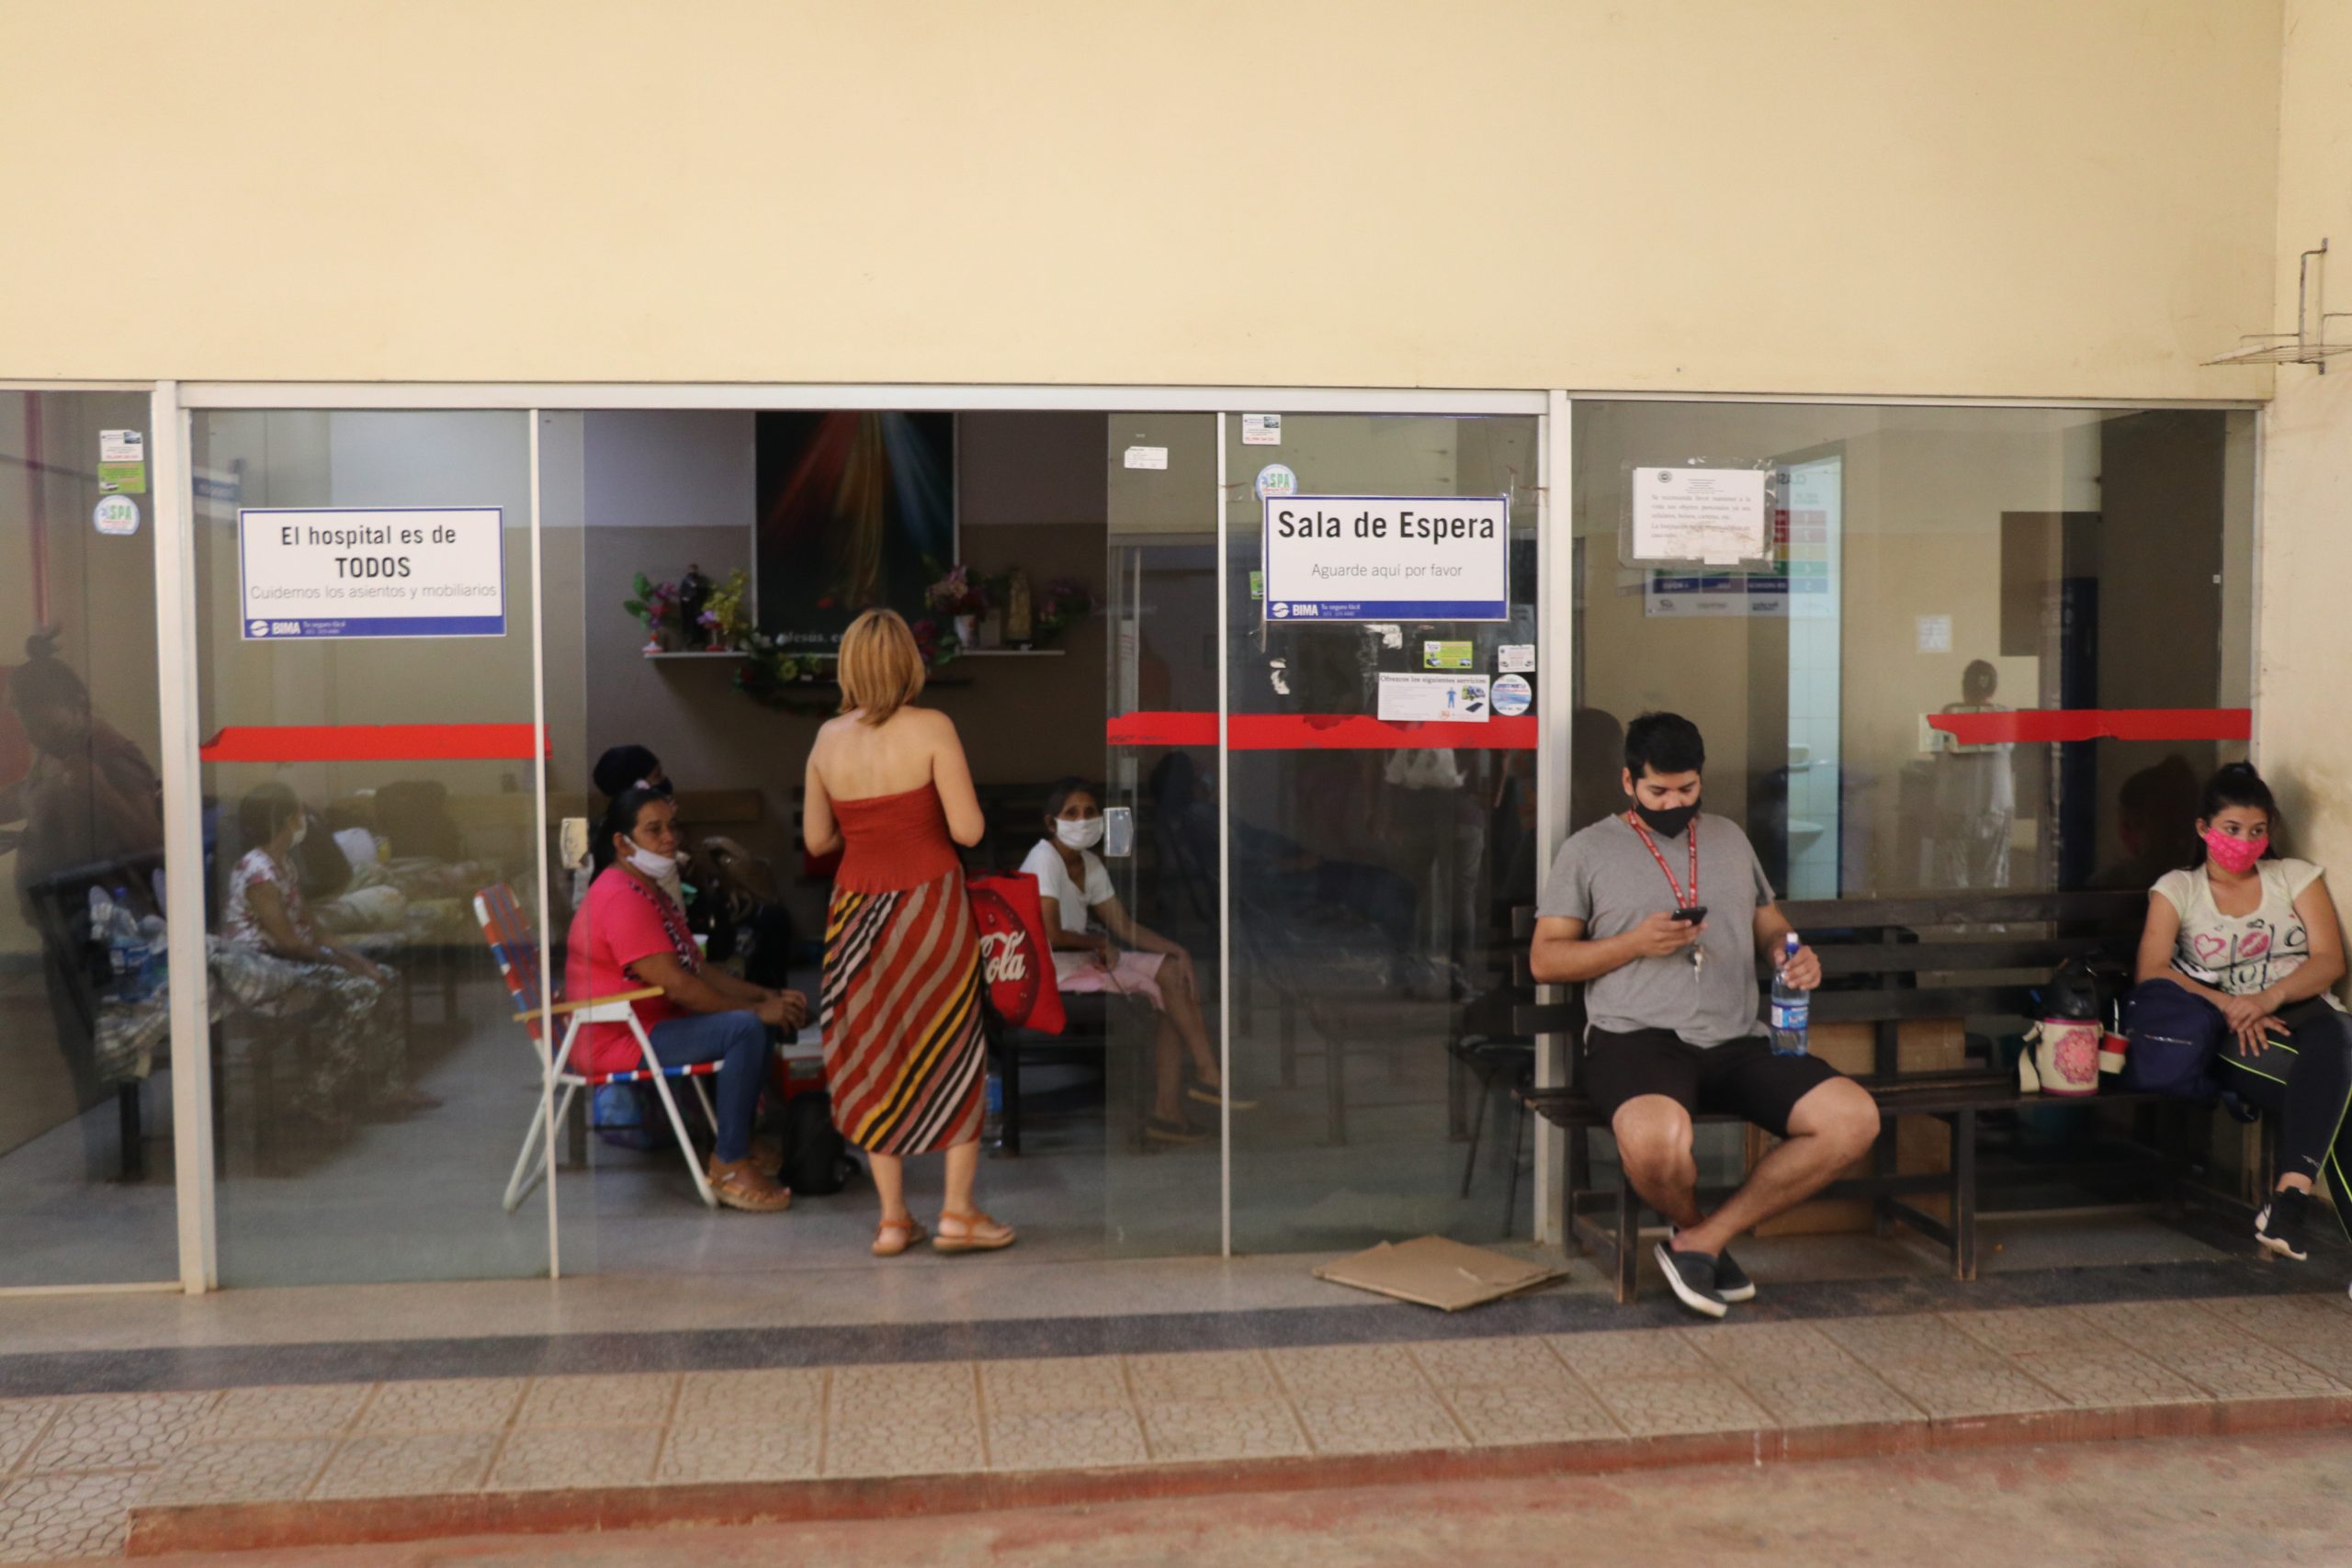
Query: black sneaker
{"points": [[1692, 1275], [2280, 1226], [1732, 1282]]}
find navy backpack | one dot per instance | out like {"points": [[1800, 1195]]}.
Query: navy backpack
{"points": [[2175, 1036]]}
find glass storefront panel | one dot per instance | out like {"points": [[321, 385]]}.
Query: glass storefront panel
{"points": [[1374, 868], [85, 1154], [371, 1084], [1161, 1197], [372, 1088], [1927, 561], [1128, 563]]}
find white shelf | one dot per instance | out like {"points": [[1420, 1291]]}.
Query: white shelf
{"points": [[1012, 653], [700, 653]]}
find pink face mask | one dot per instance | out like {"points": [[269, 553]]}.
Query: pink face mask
{"points": [[2235, 856]]}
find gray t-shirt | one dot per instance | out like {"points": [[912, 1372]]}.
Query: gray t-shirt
{"points": [[1606, 879]]}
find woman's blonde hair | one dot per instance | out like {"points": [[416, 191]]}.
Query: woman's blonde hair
{"points": [[881, 671]]}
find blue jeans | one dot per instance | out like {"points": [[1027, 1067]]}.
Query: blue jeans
{"points": [[739, 1044]]}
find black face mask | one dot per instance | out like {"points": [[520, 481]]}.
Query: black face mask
{"points": [[1668, 821]]}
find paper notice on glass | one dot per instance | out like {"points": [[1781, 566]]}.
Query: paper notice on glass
{"points": [[1713, 516], [1262, 430], [1434, 699], [1147, 457]]}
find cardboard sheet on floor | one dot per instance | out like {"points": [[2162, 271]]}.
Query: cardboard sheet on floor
{"points": [[1433, 1271]]}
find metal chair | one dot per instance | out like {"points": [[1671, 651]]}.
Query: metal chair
{"points": [[509, 935]]}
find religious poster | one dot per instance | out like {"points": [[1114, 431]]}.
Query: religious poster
{"points": [[856, 510]]}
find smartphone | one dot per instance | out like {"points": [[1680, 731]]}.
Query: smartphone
{"points": [[1692, 915]]}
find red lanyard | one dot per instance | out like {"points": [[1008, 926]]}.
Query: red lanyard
{"points": [[1635, 822]]}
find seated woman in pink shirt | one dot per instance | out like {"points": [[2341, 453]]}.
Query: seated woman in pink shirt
{"points": [[629, 934]]}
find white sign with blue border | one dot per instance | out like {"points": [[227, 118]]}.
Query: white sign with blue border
{"points": [[348, 571], [1387, 558]]}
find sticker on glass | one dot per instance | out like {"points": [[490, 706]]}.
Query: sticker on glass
{"points": [[1275, 478], [1512, 696], [116, 515], [1448, 655]]}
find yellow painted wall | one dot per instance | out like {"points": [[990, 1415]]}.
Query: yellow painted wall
{"points": [[2036, 198], [2305, 647]]}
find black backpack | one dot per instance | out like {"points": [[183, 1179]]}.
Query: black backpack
{"points": [[817, 1161]]}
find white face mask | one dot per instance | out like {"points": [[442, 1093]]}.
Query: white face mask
{"points": [[1083, 833], [660, 867], [301, 829]]}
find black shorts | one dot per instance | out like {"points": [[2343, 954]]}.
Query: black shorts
{"points": [[1742, 1077]]}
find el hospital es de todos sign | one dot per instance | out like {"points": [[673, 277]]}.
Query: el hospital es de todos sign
{"points": [[1387, 558], [371, 571]]}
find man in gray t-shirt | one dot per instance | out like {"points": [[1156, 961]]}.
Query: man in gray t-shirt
{"points": [[1662, 914]]}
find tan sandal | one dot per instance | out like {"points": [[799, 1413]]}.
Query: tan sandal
{"points": [[974, 1239], [741, 1184], [907, 1231]]}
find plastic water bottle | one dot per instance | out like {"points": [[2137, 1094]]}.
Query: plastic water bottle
{"points": [[1792, 1009], [102, 927], [112, 922], [157, 936], [137, 964], [992, 1115]]}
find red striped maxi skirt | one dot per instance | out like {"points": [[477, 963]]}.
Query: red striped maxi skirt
{"points": [[905, 1057]]}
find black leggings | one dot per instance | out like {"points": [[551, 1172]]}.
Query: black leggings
{"points": [[2305, 1080]]}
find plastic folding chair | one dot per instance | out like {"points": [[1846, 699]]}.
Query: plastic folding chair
{"points": [[509, 935]]}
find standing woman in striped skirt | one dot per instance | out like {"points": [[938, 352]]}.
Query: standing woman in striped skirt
{"points": [[905, 1059]]}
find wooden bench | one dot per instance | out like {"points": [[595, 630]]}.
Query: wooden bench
{"points": [[1885, 962]]}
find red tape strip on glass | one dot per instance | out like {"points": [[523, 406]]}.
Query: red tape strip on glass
{"points": [[373, 743], [1321, 732], [2096, 724]]}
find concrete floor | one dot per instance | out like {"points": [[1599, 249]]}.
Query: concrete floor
{"points": [[1026, 1282], [417, 1199], [2177, 1502]]}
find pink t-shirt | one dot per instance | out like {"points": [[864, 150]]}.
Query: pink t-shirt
{"points": [[621, 921]]}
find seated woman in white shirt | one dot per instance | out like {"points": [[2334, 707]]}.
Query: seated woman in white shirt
{"points": [[2256, 936], [1073, 886]]}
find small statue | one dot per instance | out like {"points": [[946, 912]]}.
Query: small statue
{"points": [[1019, 624], [693, 597]]}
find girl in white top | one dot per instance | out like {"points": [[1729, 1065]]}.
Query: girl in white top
{"points": [[2257, 938], [1075, 889]]}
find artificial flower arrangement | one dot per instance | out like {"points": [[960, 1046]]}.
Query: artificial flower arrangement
{"points": [[1060, 605], [727, 618], [1048, 612], [959, 595], [656, 604], [797, 680], [958, 592], [723, 622]]}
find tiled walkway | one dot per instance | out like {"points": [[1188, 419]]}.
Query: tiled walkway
{"points": [[199, 1463]]}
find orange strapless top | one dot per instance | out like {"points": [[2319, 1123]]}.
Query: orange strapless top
{"points": [[891, 842]]}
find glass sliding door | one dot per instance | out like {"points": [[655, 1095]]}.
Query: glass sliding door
{"points": [[1382, 813], [85, 1161], [1164, 1133], [366, 708]]}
